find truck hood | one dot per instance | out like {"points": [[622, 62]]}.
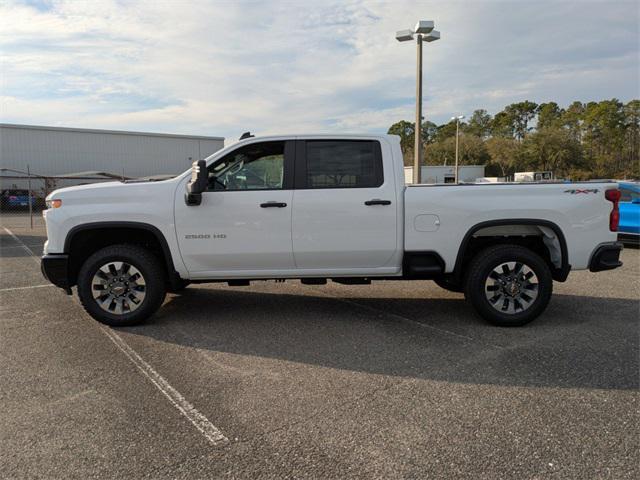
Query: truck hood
{"points": [[116, 189]]}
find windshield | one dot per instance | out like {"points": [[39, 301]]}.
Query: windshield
{"points": [[628, 195]]}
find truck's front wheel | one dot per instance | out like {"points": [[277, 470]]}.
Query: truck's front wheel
{"points": [[509, 285], [121, 285]]}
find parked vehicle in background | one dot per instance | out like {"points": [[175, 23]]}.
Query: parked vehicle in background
{"points": [[318, 208], [16, 198], [533, 177], [629, 229]]}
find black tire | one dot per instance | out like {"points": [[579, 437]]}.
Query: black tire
{"points": [[138, 258], [482, 281], [449, 285]]}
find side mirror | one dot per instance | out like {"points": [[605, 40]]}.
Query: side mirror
{"points": [[198, 183]]}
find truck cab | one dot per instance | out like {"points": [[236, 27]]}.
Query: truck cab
{"points": [[295, 207]]}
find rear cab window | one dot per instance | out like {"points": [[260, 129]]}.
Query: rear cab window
{"points": [[327, 164]]}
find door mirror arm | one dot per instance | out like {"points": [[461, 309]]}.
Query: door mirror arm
{"points": [[198, 183]]}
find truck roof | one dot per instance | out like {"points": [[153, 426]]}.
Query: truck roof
{"points": [[345, 136]]}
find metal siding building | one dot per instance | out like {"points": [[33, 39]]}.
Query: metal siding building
{"points": [[445, 173], [59, 151]]}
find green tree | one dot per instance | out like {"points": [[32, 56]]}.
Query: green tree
{"points": [[446, 130], [471, 151], [632, 140], [502, 125], [429, 132], [479, 124], [573, 118], [520, 114], [406, 131], [581, 141], [549, 115], [603, 136], [504, 154], [552, 149]]}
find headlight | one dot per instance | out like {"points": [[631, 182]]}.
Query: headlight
{"points": [[57, 203]]}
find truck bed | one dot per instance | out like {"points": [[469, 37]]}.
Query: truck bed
{"points": [[443, 215]]}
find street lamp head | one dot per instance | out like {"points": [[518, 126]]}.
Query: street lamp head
{"points": [[424, 26], [404, 35], [432, 36]]}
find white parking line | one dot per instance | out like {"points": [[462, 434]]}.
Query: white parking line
{"points": [[26, 288], [22, 245], [19, 246], [202, 423]]}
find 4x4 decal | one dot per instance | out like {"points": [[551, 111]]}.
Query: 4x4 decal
{"points": [[575, 191]]}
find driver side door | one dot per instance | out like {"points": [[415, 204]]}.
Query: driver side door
{"points": [[242, 228]]}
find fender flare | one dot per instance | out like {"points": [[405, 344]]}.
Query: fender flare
{"points": [[559, 274], [171, 270]]}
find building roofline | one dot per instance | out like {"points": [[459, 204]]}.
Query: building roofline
{"points": [[108, 132]]}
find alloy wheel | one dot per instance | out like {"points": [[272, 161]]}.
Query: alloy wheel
{"points": [[511, 287], [118, 287]]}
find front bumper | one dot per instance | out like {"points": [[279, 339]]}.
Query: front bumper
{"points": [[606, 257], [55, 268]]}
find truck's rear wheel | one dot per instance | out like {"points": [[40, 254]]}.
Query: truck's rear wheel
{"points": [[121, 285], [509, 285]]}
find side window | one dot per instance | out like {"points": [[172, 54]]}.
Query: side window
{"points": [[257, 166], [343, 164]]}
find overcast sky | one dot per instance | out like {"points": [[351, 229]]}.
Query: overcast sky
{"points": [[221, 68]]}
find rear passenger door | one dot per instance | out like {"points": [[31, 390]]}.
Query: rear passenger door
{"points": [[344, 207]]}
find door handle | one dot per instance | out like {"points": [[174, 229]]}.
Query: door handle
{"points": [[377, 201], [273, 205]]}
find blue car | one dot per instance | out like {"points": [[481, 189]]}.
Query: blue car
{"points": [[629, 228], [14, 198]]}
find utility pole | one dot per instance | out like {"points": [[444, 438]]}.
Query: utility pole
{"points": [[417, 149], [457, 119], [422, 31]]}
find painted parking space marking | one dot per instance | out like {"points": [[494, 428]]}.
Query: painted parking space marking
{"points": [[26, 288], [197, 419], [22, 245]]}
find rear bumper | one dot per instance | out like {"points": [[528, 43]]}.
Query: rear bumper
{"points": [[55, 268], [630, 238], [606, 257]]}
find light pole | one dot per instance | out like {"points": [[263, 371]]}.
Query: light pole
{"points": [[423, 31], [457, 119]]}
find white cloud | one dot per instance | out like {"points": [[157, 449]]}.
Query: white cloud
{"points": [[221, 68]]}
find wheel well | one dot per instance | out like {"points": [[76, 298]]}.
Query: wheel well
{"points": [[86, 242], [544, 239]]}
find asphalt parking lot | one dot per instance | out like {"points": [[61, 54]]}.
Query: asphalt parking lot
{"points": [[393, 380]]}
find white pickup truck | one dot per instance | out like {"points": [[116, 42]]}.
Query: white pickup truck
{"points": [[320, 208]]}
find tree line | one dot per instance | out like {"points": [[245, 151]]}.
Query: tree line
{"points": [[580, 142]]}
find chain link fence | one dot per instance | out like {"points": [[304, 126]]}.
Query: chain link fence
{"points": [[23, 194]]}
